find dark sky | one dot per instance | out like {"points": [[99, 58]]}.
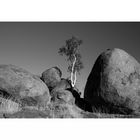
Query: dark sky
{"points": [[34, 46]]}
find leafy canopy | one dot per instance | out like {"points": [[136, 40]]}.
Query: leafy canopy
{"points": [[71, 51]]}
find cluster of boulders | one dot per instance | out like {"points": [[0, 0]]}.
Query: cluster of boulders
{"points": [[57, 85], [30, 90], [113, 86], [62, 93]]}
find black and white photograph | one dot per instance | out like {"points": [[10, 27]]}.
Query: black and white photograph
{"points": [[69, 69]]}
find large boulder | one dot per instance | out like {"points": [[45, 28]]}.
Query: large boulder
{"points": [[114, 83], [52, 77], [23, 85]]}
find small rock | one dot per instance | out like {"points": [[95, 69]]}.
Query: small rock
{"points": [[62, 96], [52, 77], [62, 85]]}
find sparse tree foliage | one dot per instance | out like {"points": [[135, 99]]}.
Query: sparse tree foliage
{"points": [[72, 53]]}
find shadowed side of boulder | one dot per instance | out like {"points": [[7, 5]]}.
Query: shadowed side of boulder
{"points": [[113, 85], [80, 102]]}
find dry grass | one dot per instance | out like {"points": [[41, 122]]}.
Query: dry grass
{"points": [[8, 105], [12, 109]]}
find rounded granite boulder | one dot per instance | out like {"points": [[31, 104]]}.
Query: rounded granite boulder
{"points": [[51, 77], [114, 83], [23, 85]]}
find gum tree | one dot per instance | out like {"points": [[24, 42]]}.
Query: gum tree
{"points": [[73, 57]]}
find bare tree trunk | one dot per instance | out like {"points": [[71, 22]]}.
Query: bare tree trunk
{"points": [[73, 76]]}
